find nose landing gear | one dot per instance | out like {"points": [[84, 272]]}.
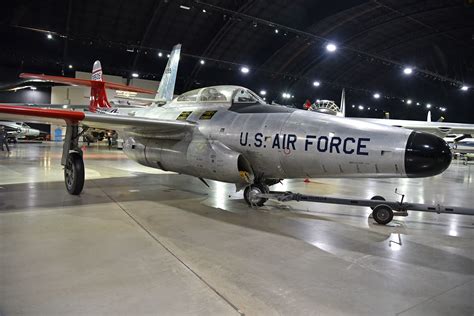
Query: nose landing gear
{"points": [[251, 194]]}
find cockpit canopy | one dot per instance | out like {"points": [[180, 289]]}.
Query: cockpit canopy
{"points": [[221, 94]]}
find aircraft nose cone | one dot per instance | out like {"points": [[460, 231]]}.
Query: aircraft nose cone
{"points": [[426, 155]]}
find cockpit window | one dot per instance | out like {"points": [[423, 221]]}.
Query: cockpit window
{"points": [[221, 94], [190, 96], [211, 94], [244, 96]]}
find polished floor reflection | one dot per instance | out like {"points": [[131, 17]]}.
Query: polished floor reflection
{"points": [[143, 241]]}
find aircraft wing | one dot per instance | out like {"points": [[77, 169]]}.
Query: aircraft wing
{"points": [[438, 128], [165, 129]]}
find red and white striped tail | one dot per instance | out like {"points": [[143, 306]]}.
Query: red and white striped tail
{"points": [[98, 98]]}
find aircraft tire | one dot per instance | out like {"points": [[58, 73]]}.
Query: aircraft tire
{"points": [[382, 214], [376, 198], [74, 173], [255, 189]]}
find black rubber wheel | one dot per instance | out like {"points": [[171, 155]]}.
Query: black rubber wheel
{"points": [[382, 214], [252, 190], [74, 173], [377, 198]]}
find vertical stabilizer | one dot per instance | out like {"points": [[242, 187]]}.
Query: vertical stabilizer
{"points": [[98, 98], [343, 103], [97, 71], [167, 82]]}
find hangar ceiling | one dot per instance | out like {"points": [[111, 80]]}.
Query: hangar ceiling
{"points": [[375, 40]]}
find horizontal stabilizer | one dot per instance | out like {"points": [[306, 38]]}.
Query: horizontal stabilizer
{"points": [[85, 82]]}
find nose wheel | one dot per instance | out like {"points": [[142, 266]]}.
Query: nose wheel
{"points": [[251, 194], [74, 173]]}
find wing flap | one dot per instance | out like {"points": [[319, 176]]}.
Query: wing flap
{"points": [[139, 125]]}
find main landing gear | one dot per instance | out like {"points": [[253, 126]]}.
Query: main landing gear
{"points": [[72, 160]]}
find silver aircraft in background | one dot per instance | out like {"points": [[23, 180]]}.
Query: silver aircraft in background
{"points": [[228, 133], [439, 128], [17, 130]]}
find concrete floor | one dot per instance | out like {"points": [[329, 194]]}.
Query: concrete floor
{"points": [[142, 241]]}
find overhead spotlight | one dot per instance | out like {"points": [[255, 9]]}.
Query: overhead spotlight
{"points": [[202, 61], [49, 36], [168, 55], [134, 75], [428, 106], [353, 106], [70, 66], [409, 101], [368, 109], [264, 99], [185, 7], [33, 88], [361, 107], [160, 54], [408, 70], [244, 70], [316, 83], [263, 92], [376, 95], [417, 103], [204, 11], [331, 47], [443, 109], [292, 96], [276, 31], [464, 88]]}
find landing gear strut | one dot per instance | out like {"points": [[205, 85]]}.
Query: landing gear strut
{"points": [[251, 194], [72, 160]]}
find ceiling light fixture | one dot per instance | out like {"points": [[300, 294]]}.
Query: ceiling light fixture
{"points": [[409, 101], [331, 47], [316, 83], [244, 70], [134, 75], [464, 88], [376, 95], [408, 70], [202, 61], [184, 7], [263, 92], [49, 36]]}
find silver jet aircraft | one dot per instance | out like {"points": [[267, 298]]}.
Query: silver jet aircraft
{"points": [[19, 130], [228, 133]]}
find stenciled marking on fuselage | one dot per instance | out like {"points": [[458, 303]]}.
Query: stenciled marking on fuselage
{"points": [[335, 144]]}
